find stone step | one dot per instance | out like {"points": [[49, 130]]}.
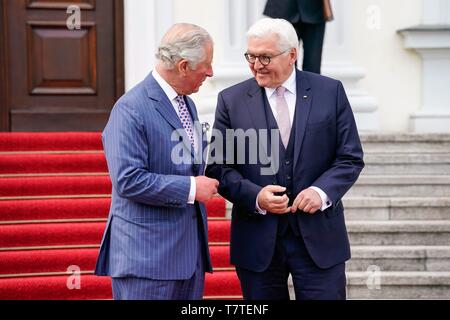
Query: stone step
{"points": [[375, 284], [401, 186], [405, 143], [416, 232], [385, 208], [412, 163], [398, 285], [400, 258], [370, 208]]}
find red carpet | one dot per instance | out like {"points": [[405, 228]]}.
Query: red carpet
{"points": [[54, 186], [219, 231], [58, 234], [62, 141], [55, 288], [41, 261], [54, 209], [220, 256], [221, 285], [62, 209], [216, 208], [52, 163], [51, 234], [57, 260], [54, 201]]}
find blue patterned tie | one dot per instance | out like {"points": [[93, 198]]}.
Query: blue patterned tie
{"points": [[185, 118]]}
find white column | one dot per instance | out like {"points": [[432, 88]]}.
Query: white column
{"points": [[238, 16], [436, 12], [336, 63], [146, 21], [230, 67], [432, 41]]}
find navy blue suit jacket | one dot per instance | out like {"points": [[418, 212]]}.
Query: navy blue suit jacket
{"points": [[151, 231], [307, 11], [327, 154]]}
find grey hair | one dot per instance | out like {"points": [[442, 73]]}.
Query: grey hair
{"points": [[183, 41], [287, 37]]}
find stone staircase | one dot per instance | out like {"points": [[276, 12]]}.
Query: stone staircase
{"points": [[398, 219]]}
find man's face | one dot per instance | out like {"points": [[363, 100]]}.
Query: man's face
{"points": [[280, 67], [194, 78]]}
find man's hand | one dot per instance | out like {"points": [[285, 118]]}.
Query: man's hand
{"points": [[267, 200], [206, 188], [308, 201]]}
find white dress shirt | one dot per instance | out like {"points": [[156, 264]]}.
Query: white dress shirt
{"points": [[291, 98], [172, 94]]}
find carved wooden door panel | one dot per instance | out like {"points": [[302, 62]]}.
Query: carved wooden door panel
{"points": [[56, 76]]}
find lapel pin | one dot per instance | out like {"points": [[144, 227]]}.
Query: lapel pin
{"points": [[205, 127]]}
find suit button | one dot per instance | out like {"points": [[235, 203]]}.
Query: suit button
{"points": [[288, 177], [289, 193], [194, 216], [287, 162]]}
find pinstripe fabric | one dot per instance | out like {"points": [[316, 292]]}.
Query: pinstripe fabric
{"points": [[151, 232], [145, 289]]}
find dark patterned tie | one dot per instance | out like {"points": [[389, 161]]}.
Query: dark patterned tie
{"points": [[185, 118]]}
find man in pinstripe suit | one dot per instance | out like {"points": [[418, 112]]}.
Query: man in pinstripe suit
{"points": [[155, 244]]}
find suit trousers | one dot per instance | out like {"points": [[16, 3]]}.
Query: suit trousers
{"points": [[292, 257], [132, 288], [312, 35]]}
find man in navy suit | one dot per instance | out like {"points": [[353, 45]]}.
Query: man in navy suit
{"points": [[308, 19], [155, 244], [289, 220]]}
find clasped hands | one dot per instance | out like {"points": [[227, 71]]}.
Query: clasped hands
{"points": [[308, 200]]}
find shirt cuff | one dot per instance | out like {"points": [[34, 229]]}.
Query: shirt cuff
{"points": [[326, 201], [191, 198], [258, 209]]}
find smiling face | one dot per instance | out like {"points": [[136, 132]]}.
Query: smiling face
{"points": [[280, 67], [193, 79]]}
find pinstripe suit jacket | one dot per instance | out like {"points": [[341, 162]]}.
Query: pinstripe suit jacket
{"points": [[151, 231]]}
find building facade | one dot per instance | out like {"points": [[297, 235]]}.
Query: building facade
{"points": [[392, 56]]}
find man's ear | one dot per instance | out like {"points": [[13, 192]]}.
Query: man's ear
{"points": [[183, 66], [293, 55]]}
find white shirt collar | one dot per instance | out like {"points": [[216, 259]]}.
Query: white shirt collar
{"points": [[168, 90], [290, 84]]}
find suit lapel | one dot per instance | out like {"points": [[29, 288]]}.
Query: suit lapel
{"points": [[302, 110], [255, 107], [165, 108]]}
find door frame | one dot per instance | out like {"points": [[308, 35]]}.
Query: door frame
{"points": [[119, 41], [119, 58], [4, 112]]}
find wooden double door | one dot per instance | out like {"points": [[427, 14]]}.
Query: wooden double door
{"points": [[61, 64]]}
